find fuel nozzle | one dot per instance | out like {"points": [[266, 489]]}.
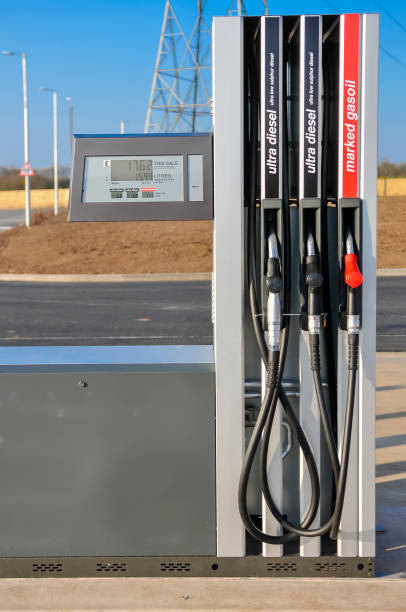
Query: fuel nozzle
{"points": [[274, 283], [352, 274], [314, 281], [274, 277], [310, 248], [352, 278]]}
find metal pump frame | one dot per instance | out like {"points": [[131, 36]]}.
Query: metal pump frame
{"points": [[232, 341]]}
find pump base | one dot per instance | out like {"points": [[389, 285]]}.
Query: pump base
{"points": [[252, 566]]}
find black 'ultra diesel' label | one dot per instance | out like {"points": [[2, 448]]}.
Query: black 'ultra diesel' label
{"points": [[271, 111], [310, 105]]}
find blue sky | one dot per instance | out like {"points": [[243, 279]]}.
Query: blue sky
{"points": [[102, 54]]}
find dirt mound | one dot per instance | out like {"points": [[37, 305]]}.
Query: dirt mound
{"points": [[53, 246], [392, 232]]}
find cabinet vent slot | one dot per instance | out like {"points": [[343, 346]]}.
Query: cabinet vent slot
{"points": [[116, 568], [46, 568], [175, 567], [330, 568], [282, 567]]}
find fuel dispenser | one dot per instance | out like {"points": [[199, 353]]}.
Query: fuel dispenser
{"points": [[254, 457]]}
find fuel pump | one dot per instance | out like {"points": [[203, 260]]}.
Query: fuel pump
{"points": [[273, 335]]}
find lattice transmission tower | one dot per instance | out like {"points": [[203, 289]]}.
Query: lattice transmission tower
{"points": [[237, 7], [180, 93], [180, 99]]}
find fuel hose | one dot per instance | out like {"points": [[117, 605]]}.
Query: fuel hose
{"points": [[274, 357], [274, 360]]}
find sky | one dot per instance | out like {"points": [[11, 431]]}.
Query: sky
{"points": [[102, 54]]}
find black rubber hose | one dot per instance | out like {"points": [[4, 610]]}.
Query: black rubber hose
{"points": [[302, 441], [314, 342], [326, 425], [309, 458], [333, 523], [250, 455], [274, 373], [303, 530], [273, 363], [307, 453], [349, 415]]}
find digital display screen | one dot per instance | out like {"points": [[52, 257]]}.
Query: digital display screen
{"points": [[133, 179], [132, 170]]}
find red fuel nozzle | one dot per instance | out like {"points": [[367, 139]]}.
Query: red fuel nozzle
{"points": [[352, 274]]}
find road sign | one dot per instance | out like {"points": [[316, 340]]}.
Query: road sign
{"points": [[26, 170]]}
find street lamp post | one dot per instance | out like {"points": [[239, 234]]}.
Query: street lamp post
{"points": [[55, 117], [69, 100], [26, 144], [122, 125]]}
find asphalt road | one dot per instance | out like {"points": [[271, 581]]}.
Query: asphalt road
{"points": [[11, 218], [145, 313], [391, 313], [105, 313]]}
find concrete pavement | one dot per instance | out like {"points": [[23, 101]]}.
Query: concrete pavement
{"points": [[391, 463], [387, 592], [220, 594]]}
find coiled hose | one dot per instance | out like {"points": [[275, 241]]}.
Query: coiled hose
{"points": [[274, 362]]}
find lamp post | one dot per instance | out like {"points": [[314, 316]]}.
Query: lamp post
{"points": [[69, 100], [122, 125], [26, 147], [55, 115]]}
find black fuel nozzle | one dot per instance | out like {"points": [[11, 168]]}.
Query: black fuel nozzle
{"points": [[314, 281], [314, 278]]}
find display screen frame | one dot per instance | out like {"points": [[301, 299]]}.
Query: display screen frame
{"points": [[106, 146]]}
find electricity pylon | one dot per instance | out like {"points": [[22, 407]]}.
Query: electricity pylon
{"points": [[237, 7], [180, 93], [181, 88]]}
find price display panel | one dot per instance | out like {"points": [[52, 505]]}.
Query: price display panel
{"points": [[141, 177]]}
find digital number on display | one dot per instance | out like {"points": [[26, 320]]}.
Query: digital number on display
{"points": [[132, 170]]}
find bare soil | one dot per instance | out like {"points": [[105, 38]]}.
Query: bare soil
{"points": [[392, 232], [53, 246]]}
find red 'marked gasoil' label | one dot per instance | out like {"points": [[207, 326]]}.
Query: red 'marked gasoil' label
{"points": [[350, 92]]}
